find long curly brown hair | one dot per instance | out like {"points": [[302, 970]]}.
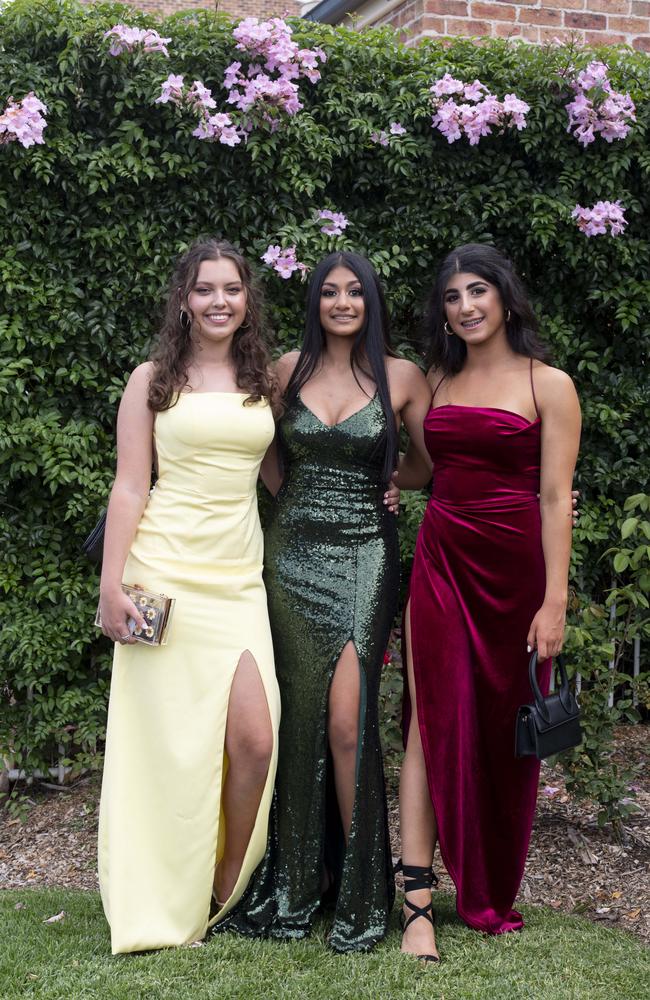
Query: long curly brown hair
{"points": [[177, 341]]}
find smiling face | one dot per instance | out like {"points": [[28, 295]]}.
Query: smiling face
{"points": [[342, 306], [218, 300], [473, 308]]}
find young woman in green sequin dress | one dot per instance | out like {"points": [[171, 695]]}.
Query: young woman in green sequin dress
{"points": [[332, 578]]}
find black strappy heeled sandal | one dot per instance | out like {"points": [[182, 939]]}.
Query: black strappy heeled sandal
{"points": [[419, 877]]}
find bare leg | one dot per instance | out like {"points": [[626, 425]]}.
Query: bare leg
{"points": [[417, 818], [249, 745], [343, 730]]}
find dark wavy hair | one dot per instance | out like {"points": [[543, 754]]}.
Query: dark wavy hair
{"points": [[448, 353], [177, 341], [370, 347]]}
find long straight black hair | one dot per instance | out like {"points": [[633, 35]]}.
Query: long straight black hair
{"points": [[371, 344], [448, 353]]}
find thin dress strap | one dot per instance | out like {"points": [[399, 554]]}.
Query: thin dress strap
{"points": [[437, 387], [532, 389]]}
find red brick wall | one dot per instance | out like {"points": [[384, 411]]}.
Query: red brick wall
{"points": [[237, 8], [596, 22]]}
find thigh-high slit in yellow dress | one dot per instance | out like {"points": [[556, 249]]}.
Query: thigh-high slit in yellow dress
{"points": [[161, 826]]}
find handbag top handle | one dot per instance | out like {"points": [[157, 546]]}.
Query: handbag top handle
{"points": [[563, 692]]}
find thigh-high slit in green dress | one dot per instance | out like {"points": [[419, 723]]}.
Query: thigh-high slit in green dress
{"points": [[332, 576]]}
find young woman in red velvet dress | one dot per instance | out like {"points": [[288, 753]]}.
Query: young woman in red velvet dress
{"points": [[489, 583]]}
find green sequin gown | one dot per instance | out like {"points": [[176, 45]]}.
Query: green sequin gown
{"points": [[332, 575]]}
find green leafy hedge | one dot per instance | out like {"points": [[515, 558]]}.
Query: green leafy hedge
{"points": [[92, 219]]}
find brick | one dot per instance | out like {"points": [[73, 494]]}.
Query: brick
{"points": [[454, 8], [632, 25], [642, 43], [604, 38], [549, 35], [640, 9], [504, 29], [564, 4], [540, 16], [525, 32], [454, 26], [609, 6], [433, 25], [493, 11], [593, 22]]}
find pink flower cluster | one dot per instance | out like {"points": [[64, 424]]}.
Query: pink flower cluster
{"points": [[335, 222], [270, 81], [217, 127], [597, 108], [594, 221], [23, 121], [126, 39], [383, 138], [477, 114], [283, 260]]}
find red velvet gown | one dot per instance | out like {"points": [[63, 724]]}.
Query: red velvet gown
{"points": [[478, 579]]}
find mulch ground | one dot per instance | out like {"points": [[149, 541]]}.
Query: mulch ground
{"points": [[573, 864]]}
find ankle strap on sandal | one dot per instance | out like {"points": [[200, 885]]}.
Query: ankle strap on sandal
{"points": [[418, 876]]}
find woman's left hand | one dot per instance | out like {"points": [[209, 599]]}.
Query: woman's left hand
{"points": [[391, 498], [546, 633]]}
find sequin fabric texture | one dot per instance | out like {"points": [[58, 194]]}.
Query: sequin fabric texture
{"points": [[332, 575]]}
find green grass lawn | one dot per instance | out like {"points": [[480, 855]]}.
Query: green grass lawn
{"points": [[555, 958]]}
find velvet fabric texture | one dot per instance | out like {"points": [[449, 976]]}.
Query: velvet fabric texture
{"points": [[478, 579]]}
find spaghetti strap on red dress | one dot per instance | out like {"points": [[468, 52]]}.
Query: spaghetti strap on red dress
{"points": [[478, 579]]}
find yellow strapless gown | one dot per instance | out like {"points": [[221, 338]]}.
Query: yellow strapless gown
{"points": [[200, 541]]}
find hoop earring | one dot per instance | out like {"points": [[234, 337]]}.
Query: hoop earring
{"points": [[184, 320], [450, 333], [507, 315]]}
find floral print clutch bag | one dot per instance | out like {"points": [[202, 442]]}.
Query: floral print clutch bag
{"points": [[156, 609]]}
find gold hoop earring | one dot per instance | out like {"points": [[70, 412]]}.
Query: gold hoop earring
{"points": [[184, 320], [450, 333], [247, 322]]}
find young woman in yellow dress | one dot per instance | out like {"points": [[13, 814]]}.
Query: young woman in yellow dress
{"points": [[191, 743]]}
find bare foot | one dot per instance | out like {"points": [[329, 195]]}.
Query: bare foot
{"points": [[419, 937]]}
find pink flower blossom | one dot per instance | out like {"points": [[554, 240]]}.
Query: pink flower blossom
{"points": [[171, 90], [272, 253], [396, 128], [271, 81], [199, 96], [218, 128], [23, 121], [550, 791], [595, 221], [283, 260], [126, 39], [381, 138], [474, 91], [597, 109], [447, 85], [476, 119], [336, 222]]}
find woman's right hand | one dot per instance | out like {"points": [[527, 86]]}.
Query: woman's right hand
{"points": [[116, 609]]}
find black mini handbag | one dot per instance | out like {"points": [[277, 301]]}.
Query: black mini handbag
{"points": [[552, 724]]}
